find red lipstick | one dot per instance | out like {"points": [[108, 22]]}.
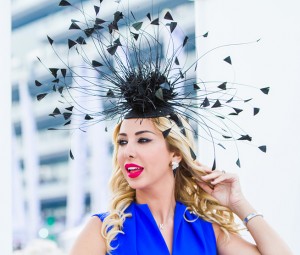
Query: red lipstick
{"points": [[133, 170]]}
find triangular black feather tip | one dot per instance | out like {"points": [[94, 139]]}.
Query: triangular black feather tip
{"points": [[166, 132]]}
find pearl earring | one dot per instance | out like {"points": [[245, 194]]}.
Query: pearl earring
{"points": [[175, 165]]}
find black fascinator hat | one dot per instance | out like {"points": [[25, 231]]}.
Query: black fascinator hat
{"points": [[133, 65]]}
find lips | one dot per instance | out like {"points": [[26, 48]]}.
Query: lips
{"points": [[133, 170]]}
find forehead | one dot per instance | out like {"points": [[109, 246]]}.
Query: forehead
{"points": [[134, 125]]}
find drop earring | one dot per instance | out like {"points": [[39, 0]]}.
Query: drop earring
{"points": [[174, 165]]}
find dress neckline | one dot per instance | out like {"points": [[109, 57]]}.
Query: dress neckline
{"points": [[178, 217]]}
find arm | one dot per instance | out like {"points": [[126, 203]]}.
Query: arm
{"points": [[266, 239], [235, 245], [90, 240], [226, 189]]}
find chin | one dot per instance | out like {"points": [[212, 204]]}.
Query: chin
{"points": [[137, 184]]}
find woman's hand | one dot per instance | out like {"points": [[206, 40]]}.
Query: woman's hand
{"points": [[225, 187]]}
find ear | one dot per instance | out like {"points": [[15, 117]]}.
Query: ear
{"points": [[176, 156]]}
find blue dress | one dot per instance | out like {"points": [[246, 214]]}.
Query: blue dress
{"points": [[143, 237]]}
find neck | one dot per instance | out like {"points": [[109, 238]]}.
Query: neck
{"points": [[161, 202]]}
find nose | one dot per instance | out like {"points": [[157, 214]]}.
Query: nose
{"points": [[130, 150]]}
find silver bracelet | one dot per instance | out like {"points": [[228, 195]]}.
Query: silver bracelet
{"points": [[251, 216]]}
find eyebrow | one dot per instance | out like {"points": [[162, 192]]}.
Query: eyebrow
{"points": [[138, 133]]}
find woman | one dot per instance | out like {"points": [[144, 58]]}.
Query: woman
{"points": [[155, 212], [164, 202]]}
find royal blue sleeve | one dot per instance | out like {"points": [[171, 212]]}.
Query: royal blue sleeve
{"points": [[101, 216]]}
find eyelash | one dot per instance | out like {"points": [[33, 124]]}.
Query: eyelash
{"points": [[144, 140], [122, 142]]}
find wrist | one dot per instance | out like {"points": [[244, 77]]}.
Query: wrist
{"points": [[242, 209], [250, 217]]}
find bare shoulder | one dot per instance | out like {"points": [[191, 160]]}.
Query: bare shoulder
{"points": [[90, 240], [233, 244]]}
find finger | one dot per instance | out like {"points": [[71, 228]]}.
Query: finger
{"points": [[224, 178], [205, 187], [218, 180], [212, 175]]}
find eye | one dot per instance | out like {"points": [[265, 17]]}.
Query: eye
{"points": [[144, 140], [122, 142]]}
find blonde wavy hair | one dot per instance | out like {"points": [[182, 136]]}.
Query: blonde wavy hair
{"points": [[187, 190]]}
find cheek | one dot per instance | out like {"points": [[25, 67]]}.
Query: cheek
{"points": [[161, 156]]}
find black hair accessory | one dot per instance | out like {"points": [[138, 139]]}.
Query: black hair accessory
{"points": [[136, 75]]}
